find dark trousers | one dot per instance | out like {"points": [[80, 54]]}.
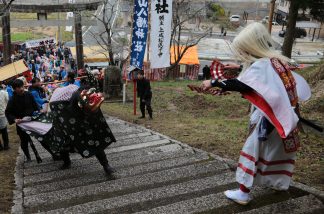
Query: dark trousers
{"points": [[24, 141], [146, 102], [100, 155], [5, 138]]}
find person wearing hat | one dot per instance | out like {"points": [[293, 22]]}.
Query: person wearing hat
{"points": [[144, 93]]}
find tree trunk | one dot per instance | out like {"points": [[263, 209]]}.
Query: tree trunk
{"points": [[291, 28], [110, 51]]}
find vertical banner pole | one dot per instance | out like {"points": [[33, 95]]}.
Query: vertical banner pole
{"points": [[148, 35], [124, 93]]}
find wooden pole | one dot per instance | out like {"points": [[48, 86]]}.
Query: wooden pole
{"points": [[6, 37], [78, 39], [133, 76], [272, 6], [314, 34]]}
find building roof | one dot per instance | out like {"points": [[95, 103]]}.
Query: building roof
{"points": [[48, 6]]}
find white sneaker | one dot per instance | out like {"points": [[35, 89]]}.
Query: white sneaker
{"points": [[238, 196]]}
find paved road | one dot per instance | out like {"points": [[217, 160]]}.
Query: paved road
{"points": [[155, 174]]}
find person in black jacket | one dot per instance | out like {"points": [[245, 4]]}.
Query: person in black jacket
{"points": [[206, 73], [22, 104], [144, 93]]}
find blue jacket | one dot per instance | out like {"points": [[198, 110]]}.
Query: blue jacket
{"points": [[37, 96], [10, 91]]}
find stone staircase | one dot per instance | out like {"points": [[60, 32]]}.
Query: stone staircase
{"points": [[155, 174]]}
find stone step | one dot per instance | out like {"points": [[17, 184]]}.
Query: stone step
{"points": [[121, 172], [124, 142], [199, 204], [304, 204], [120, 162], [125, 148], [154, 175], [264, 201], [109, 204], [121, 186], [136, 140], [116, 156]]}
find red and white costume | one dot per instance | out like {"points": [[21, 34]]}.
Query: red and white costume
{"points": [[271, 162]]}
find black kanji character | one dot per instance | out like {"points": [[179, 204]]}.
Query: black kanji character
{"points": [[162, 7]]}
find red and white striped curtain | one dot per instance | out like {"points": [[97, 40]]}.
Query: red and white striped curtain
{"points": [[158, 74]]}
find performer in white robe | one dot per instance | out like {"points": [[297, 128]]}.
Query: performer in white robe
{"points": [[269, 153]]}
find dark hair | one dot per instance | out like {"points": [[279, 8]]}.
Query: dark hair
{"points": [[17, 83], [139, 71], [71, 75], [34, 80]]}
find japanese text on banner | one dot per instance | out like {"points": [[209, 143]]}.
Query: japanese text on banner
{"points": [[161, 18], [140, 28]]}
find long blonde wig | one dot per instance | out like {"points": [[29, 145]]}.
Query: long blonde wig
{"points": [[255, 42]]}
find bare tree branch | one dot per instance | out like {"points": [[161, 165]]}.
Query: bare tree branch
{"points": [[181, 15], [6, 6]]}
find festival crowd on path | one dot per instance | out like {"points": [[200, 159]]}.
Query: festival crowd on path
{"points": [[32, 96]]}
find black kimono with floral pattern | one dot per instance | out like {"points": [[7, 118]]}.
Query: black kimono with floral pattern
{"points": [[74, 129]]}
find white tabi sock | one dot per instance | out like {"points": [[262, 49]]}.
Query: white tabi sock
{"points": [[238, 196]]}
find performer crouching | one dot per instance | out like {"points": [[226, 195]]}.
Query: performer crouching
{"points": [[78, 124], [269, 153]]}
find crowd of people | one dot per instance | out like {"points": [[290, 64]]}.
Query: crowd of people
{"points": [[25, 97]]}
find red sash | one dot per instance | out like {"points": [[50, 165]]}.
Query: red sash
{"points": [[291, 142]]}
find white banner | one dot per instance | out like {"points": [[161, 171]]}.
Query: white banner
{"points": [[161, 19], [40, 42], [68, 16]]}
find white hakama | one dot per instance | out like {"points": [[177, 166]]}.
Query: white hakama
{"points": [[265, 163]]}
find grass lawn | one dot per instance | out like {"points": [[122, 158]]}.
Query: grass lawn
{"points": [[23, 36], [219, 124]]}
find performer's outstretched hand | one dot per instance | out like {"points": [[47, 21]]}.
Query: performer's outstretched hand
{"points": [[206, 85]]}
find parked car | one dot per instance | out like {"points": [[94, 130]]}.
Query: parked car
{"points": [[235, 18], [299, 33]]}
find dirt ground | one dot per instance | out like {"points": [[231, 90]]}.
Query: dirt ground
{"points": [[7, 169], [219, 124]]}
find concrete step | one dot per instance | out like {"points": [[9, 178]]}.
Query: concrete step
{"points": [[121, 172], [304, 204], [170, 191], [122, 186], [90, 178], [154, 174], [116, 162], [137, 139], [47, 162], [124, 148]]}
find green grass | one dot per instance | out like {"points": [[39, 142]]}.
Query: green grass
{"points": [[219, 124], [21, 37]]}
